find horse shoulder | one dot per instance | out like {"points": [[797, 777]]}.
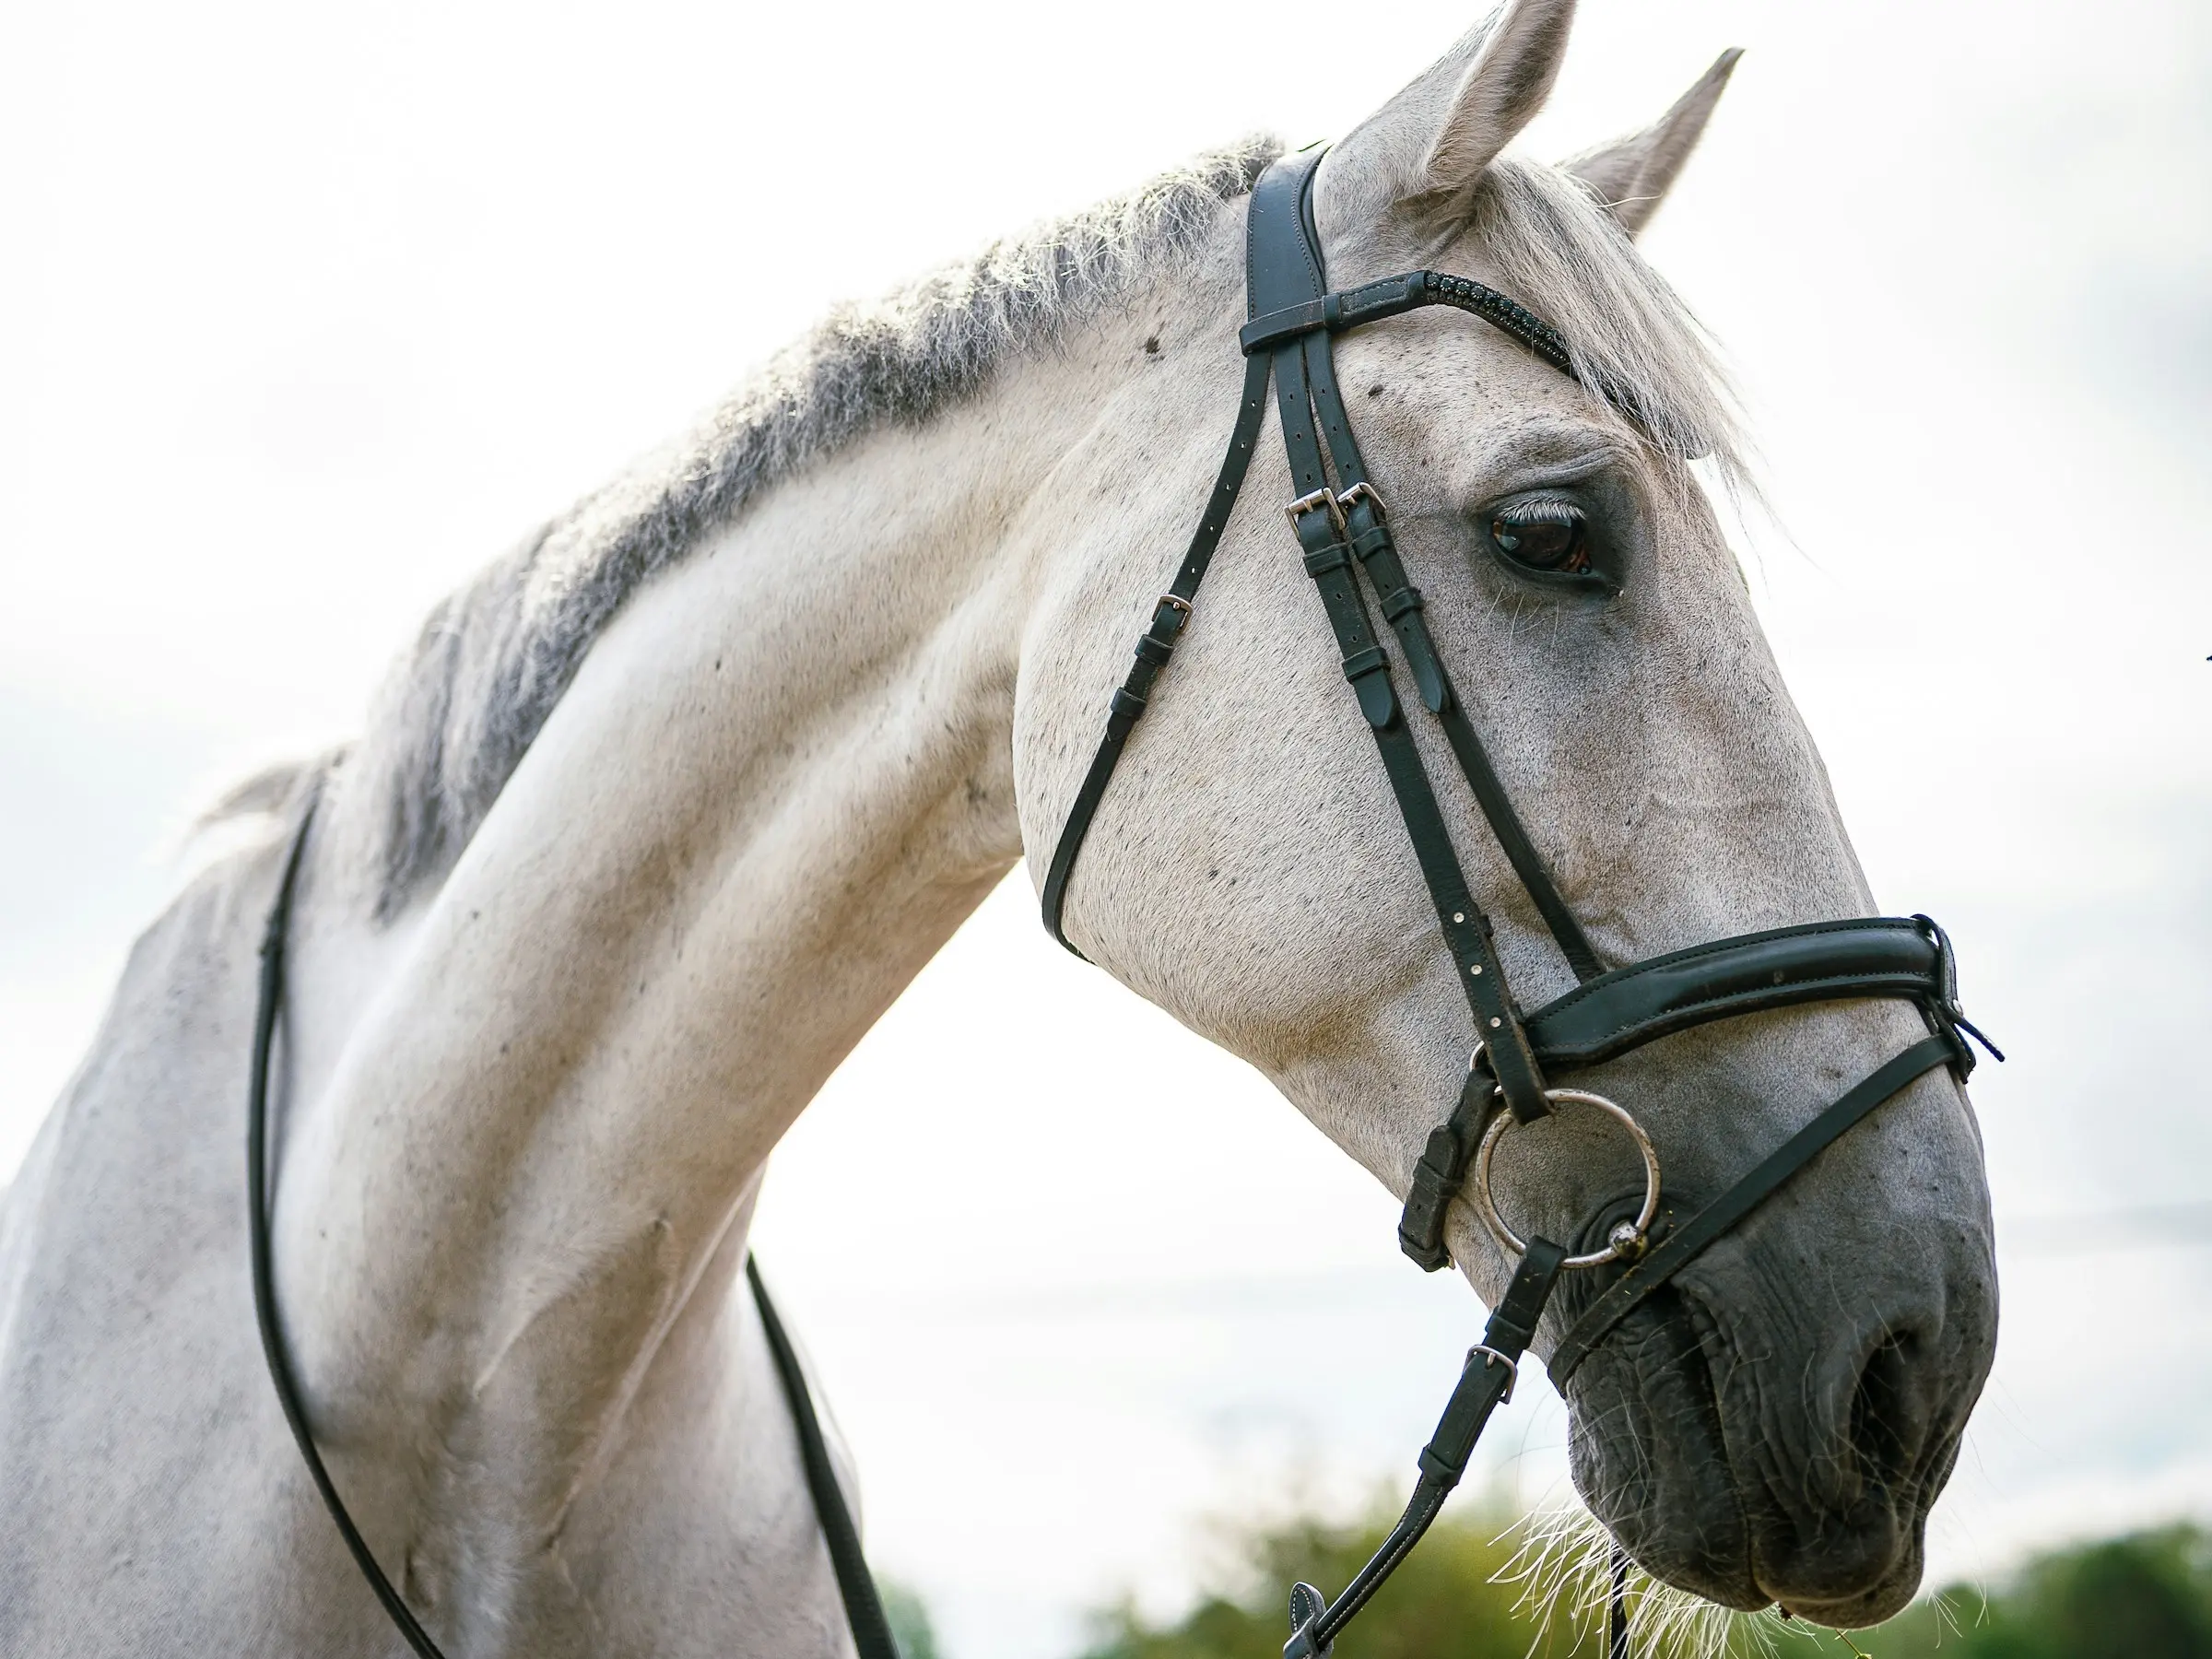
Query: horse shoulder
{"points": [[131, 1392]]}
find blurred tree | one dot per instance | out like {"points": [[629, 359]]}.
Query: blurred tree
{"points": [[1444, 1602], [2144, 1596], [908, 1615]]}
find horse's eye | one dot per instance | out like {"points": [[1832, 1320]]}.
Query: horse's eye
{"points": [[1545, 532]]}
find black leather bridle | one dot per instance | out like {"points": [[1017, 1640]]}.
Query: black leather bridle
{"points": [[1341, 527]]}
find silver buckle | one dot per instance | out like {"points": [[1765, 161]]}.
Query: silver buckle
{"points": [[1175, 601], [1362, 491], [1322, 498], [1491, 1356]]}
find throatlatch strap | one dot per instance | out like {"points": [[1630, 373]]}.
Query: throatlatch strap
{"points": [[263, 1252], [1682, 1246], [1158, 643]]}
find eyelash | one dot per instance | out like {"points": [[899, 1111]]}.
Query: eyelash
{"points": [[1560, 544]]}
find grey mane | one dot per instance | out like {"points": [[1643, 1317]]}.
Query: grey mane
{"points": [[461, 707], [491, 661]]}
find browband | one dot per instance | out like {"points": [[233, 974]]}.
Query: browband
{"points": [[1394, 296]]}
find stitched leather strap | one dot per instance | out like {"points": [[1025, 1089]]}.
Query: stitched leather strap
{"points": [[1485, 1381], [863, 1607], [1282, 258], [1875, 956], [1158, 643], [1783, 967], [856, 1584], [1367, 533], [1683, 1245]]}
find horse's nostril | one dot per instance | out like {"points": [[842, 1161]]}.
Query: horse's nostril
{"points": [[1889, 1412]]}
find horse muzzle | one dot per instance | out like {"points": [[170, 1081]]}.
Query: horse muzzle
{"points": [[1773, 1426]]}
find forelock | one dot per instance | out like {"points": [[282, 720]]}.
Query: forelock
{"points": [[1556, 250]]}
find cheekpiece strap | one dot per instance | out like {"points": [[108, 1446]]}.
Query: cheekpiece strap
{"points": [[1284, 269]]}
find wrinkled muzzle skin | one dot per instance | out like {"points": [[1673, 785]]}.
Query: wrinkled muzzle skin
{"points": [[1773, 1426]]}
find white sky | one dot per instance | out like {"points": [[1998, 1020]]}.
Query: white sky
{"points": [[304, 314]]}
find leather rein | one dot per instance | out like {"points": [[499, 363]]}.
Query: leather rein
{"points": [[1341, 527], [863, 1606]]}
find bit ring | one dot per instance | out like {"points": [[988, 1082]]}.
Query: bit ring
{"points": [[1616, 1246]]}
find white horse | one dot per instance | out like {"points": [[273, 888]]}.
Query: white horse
{"points": [[663, 811]]}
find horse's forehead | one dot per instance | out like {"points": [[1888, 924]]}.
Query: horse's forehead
{"points": [[1448, 403]]}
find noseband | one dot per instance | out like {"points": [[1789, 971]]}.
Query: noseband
{"points": [[1340, 525]]}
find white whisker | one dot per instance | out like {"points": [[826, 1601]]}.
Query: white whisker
{"points": [[1562, 1565]]}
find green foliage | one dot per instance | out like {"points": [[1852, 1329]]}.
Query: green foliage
{"points": [[1443, 1604], [2144, 1596], [908, 1615]]}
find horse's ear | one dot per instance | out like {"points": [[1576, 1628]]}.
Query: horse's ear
{"points": [[1632, 176], [1432, 141]]}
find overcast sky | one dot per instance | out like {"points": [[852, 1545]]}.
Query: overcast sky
{"points": [[307, 312]]}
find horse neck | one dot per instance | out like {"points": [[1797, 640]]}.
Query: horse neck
{"points": [[529, 1116]]}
